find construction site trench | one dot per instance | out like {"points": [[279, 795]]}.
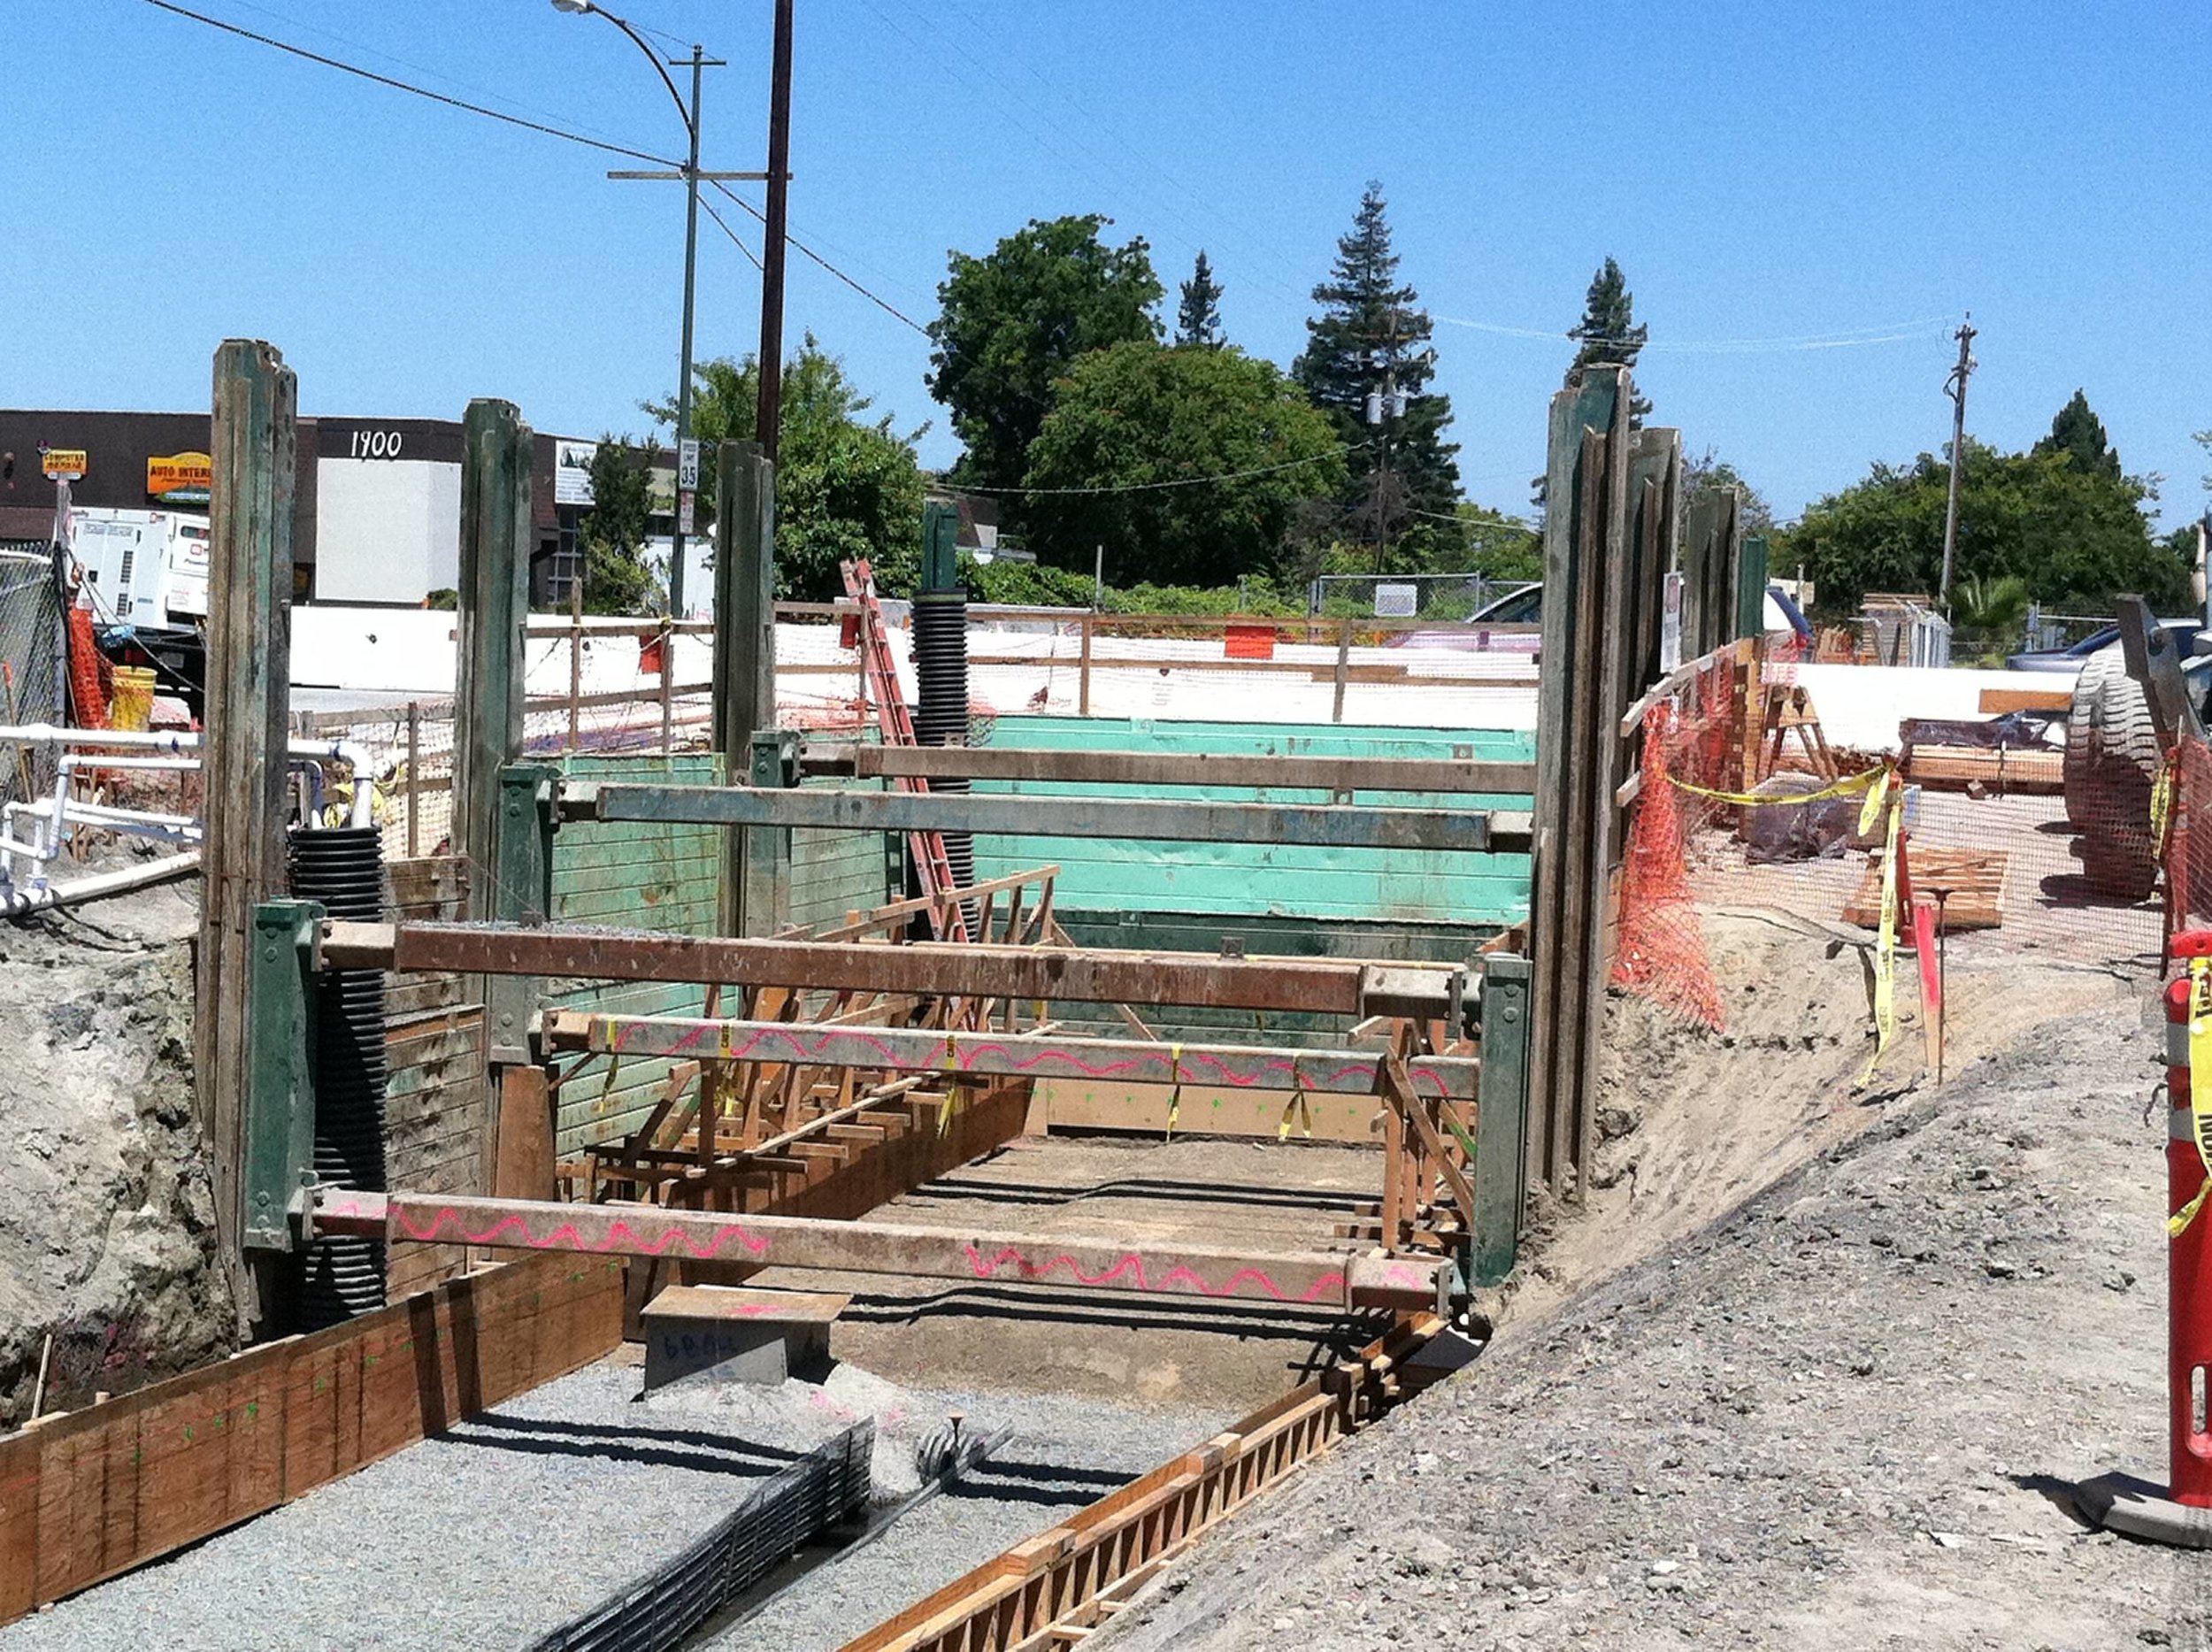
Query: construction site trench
{"points": [[509, 1523]]}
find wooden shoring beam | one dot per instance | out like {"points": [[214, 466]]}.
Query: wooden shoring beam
{"points": [[961, 1054], [1315, 1280], [1173, 768], [1316, 986], [1322, 826]]}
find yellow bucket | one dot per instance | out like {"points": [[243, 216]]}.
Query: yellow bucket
{"points": [[133, 705]]}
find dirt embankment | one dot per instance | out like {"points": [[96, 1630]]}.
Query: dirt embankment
{"points": [[106, 1218], [1691, 1122], [1840, 1409]]}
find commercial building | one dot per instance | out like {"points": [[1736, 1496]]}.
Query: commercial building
{"points": [[376, 501]]}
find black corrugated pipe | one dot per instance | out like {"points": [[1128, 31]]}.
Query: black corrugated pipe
{"points": [[940, 674], [340, 1277]]}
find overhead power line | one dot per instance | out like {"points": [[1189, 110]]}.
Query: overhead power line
{"points": [[345, 68], [752, 257], [397, 85], [880, 303], [1884, 333]]}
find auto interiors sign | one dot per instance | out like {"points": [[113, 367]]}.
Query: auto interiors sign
{"points": [[181, 478]]}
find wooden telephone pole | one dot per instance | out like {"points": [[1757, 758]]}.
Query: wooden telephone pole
{"points": [[1955, 386]]}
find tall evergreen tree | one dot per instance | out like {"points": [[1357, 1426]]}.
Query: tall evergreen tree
{"points": [[1370, 339], [2080, 435], [1199, 320], [1608, 331]]}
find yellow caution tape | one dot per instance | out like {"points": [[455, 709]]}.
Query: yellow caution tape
{"points": [[952, 1091], [1175, 1095], [1886, 937], [2163, 803], [1850, 785], [2199, 1088], [1295, 1105]]}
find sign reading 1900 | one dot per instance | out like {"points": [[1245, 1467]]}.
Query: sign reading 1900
{"points": [[386, 440], [373, 444]]}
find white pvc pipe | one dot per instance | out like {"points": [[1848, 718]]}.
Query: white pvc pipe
{"points": [[15, 905], [346, 751]]}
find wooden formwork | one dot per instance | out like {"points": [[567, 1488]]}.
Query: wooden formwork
{"points": [[1053, 1587]]}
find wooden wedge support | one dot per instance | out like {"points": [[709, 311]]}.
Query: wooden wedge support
{"points": [[1305, 1279], [1050, 1590]]}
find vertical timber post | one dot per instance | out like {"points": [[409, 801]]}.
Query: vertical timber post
{"points": [[1586, 489], [1500, 1169], [745, 671], [1751, 582], [493, 604], [248, 706], [488, 710]]}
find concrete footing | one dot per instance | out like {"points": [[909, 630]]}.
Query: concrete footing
{"points": [[739, 1335]]}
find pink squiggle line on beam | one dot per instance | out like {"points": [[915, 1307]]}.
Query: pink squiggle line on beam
{"points": [[1328, 1286], [620, 1237]]}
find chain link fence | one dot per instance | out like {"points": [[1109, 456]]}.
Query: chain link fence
{"points": [[33, 682], [1442, 597]]}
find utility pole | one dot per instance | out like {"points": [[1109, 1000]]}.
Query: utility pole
{"points": [[1955, 386], [769, 424], [686, 451], [1383, 405]]}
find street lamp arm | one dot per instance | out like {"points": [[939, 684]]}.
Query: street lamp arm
{"points": [[651, 56]]}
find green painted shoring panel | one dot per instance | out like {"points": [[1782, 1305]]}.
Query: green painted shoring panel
{"points": [[1485, 892]]}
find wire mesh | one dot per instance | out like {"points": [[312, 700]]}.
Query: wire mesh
{"points": [[33, 667], [2034, 832]]}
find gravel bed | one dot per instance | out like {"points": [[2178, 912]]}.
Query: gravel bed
{"points": [[1063, 1453], [497, 1531], [520, 1519]]}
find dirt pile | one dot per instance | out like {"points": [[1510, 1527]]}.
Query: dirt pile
{"points": [[106, 1218], [1691, 1122], [1844, 1415]]}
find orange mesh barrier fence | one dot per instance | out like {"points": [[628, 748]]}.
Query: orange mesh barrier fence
{"points": [[1661, 952]]}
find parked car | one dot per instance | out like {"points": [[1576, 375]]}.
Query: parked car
{"points": [[1525, 607], [2075, 655]]}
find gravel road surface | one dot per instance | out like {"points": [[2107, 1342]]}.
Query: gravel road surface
{"points": [[1846, 1416]]}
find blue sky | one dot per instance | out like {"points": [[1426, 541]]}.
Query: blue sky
{"points": [[1761, 173]]}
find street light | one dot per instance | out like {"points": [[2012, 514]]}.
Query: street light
{"points": [[691, 175]]}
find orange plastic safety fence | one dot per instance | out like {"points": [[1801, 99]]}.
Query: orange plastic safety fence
{"points": [[87, 680], [1660, 952]]}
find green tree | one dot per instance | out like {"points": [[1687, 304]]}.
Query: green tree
{"points": [[847, 486], [1709, 472], [615, 580], [1150, 422], [1371, 337], [1011, 323], [1609, 332], [2079, 434], [1198, 321], [2078, 538]]}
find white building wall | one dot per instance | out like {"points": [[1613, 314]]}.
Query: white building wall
{"points": [[386, 530]]}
